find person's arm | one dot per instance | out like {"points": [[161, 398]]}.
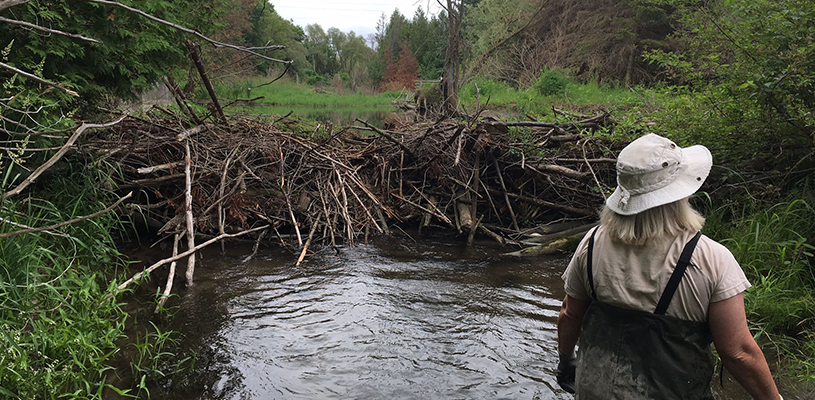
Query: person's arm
{"points": [[568, 323], [739, 352]]}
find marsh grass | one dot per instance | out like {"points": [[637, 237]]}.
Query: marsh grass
{"points": [[58, 334], [286, 92], [775, 248], [573, 96]]}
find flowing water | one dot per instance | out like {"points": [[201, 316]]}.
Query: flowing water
{"points": [[395, 319]]}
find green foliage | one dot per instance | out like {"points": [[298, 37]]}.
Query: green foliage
{"points": [[133, 54], [551, 82], [426, 39], [774, 248], [59, 334], [573, 96], [289, 93], [486, 88], [747, 68]]}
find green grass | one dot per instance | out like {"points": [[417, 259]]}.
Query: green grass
{"points": [[775, 249], [58, 334], [285, 92], [574, 96]]}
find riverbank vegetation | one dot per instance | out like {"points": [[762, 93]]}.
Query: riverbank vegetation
{"points": [[736, 76]]}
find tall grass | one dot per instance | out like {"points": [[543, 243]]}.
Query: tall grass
{"points": [[538, 100], [58, 334], [775, 248]]}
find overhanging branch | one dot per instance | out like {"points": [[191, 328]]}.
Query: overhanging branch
{"points": [[38, 79], [48, 30], [196, 33]]}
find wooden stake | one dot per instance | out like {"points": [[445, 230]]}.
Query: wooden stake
{"points": [[188, 206], [308, 242], [170, 277], [506, 198]]}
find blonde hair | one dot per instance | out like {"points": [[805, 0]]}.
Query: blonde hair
{"points": [[639, 229]]}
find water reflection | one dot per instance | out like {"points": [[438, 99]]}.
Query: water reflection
{"points": [[434, 320]]}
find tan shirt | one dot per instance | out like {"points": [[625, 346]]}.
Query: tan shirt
{"points": [[633, 277]]}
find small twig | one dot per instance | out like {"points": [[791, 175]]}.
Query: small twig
{"points": [[389, 137], [506, 198], [599, 186], [170, 166], [283, 117], [288, 66], [254, 248], [308, 242]]}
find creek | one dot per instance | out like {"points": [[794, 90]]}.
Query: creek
{"points": [[399, 318]]}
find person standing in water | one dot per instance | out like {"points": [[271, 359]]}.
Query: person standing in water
{"points": [[647, 293]]}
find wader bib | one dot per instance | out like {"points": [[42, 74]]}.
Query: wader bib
{"points": [[627, 354]]}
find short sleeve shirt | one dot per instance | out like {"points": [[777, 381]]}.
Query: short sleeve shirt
{"points": [[633, 277]]}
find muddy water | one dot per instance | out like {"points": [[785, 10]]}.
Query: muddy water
{"points": [[394, 319]]}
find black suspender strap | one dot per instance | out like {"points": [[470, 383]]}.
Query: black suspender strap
{"points": [[676, 277], [588, 263]]}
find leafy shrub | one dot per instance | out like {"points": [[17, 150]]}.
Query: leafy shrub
{"points": [[551, 82]]}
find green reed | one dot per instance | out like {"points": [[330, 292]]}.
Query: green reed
{"points": [[58, 334], [774, 246]]}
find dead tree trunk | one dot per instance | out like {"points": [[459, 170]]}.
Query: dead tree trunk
{"points": [[451, 60]]}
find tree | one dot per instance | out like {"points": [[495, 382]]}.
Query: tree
{"points": [[752, 65], [320, 54]]}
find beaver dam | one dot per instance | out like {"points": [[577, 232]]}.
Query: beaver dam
{"points": [[480, 177]]}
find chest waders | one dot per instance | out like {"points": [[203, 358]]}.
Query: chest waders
{"points": [[627, 354]]}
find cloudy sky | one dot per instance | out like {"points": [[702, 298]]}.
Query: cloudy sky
{"points": [[357, 15]]}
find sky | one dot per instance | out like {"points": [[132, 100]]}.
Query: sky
{"points": [[359, 16]]}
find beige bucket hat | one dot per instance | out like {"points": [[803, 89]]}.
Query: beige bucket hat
{"points": [[653, 171]]}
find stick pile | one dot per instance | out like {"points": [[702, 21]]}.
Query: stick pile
{"points": [[474, 176], [361, 179]]}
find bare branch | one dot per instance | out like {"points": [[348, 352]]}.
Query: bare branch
{"points": [[34, 175], [64, 223], [4, 4], [38, 79], [196, 33], [49, 30], [179, 256]]}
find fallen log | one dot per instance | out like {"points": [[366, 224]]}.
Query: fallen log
{"points": [[559, 246], [575, 231]]}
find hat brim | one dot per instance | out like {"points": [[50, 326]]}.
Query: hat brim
{"points": [[692, 173]]}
